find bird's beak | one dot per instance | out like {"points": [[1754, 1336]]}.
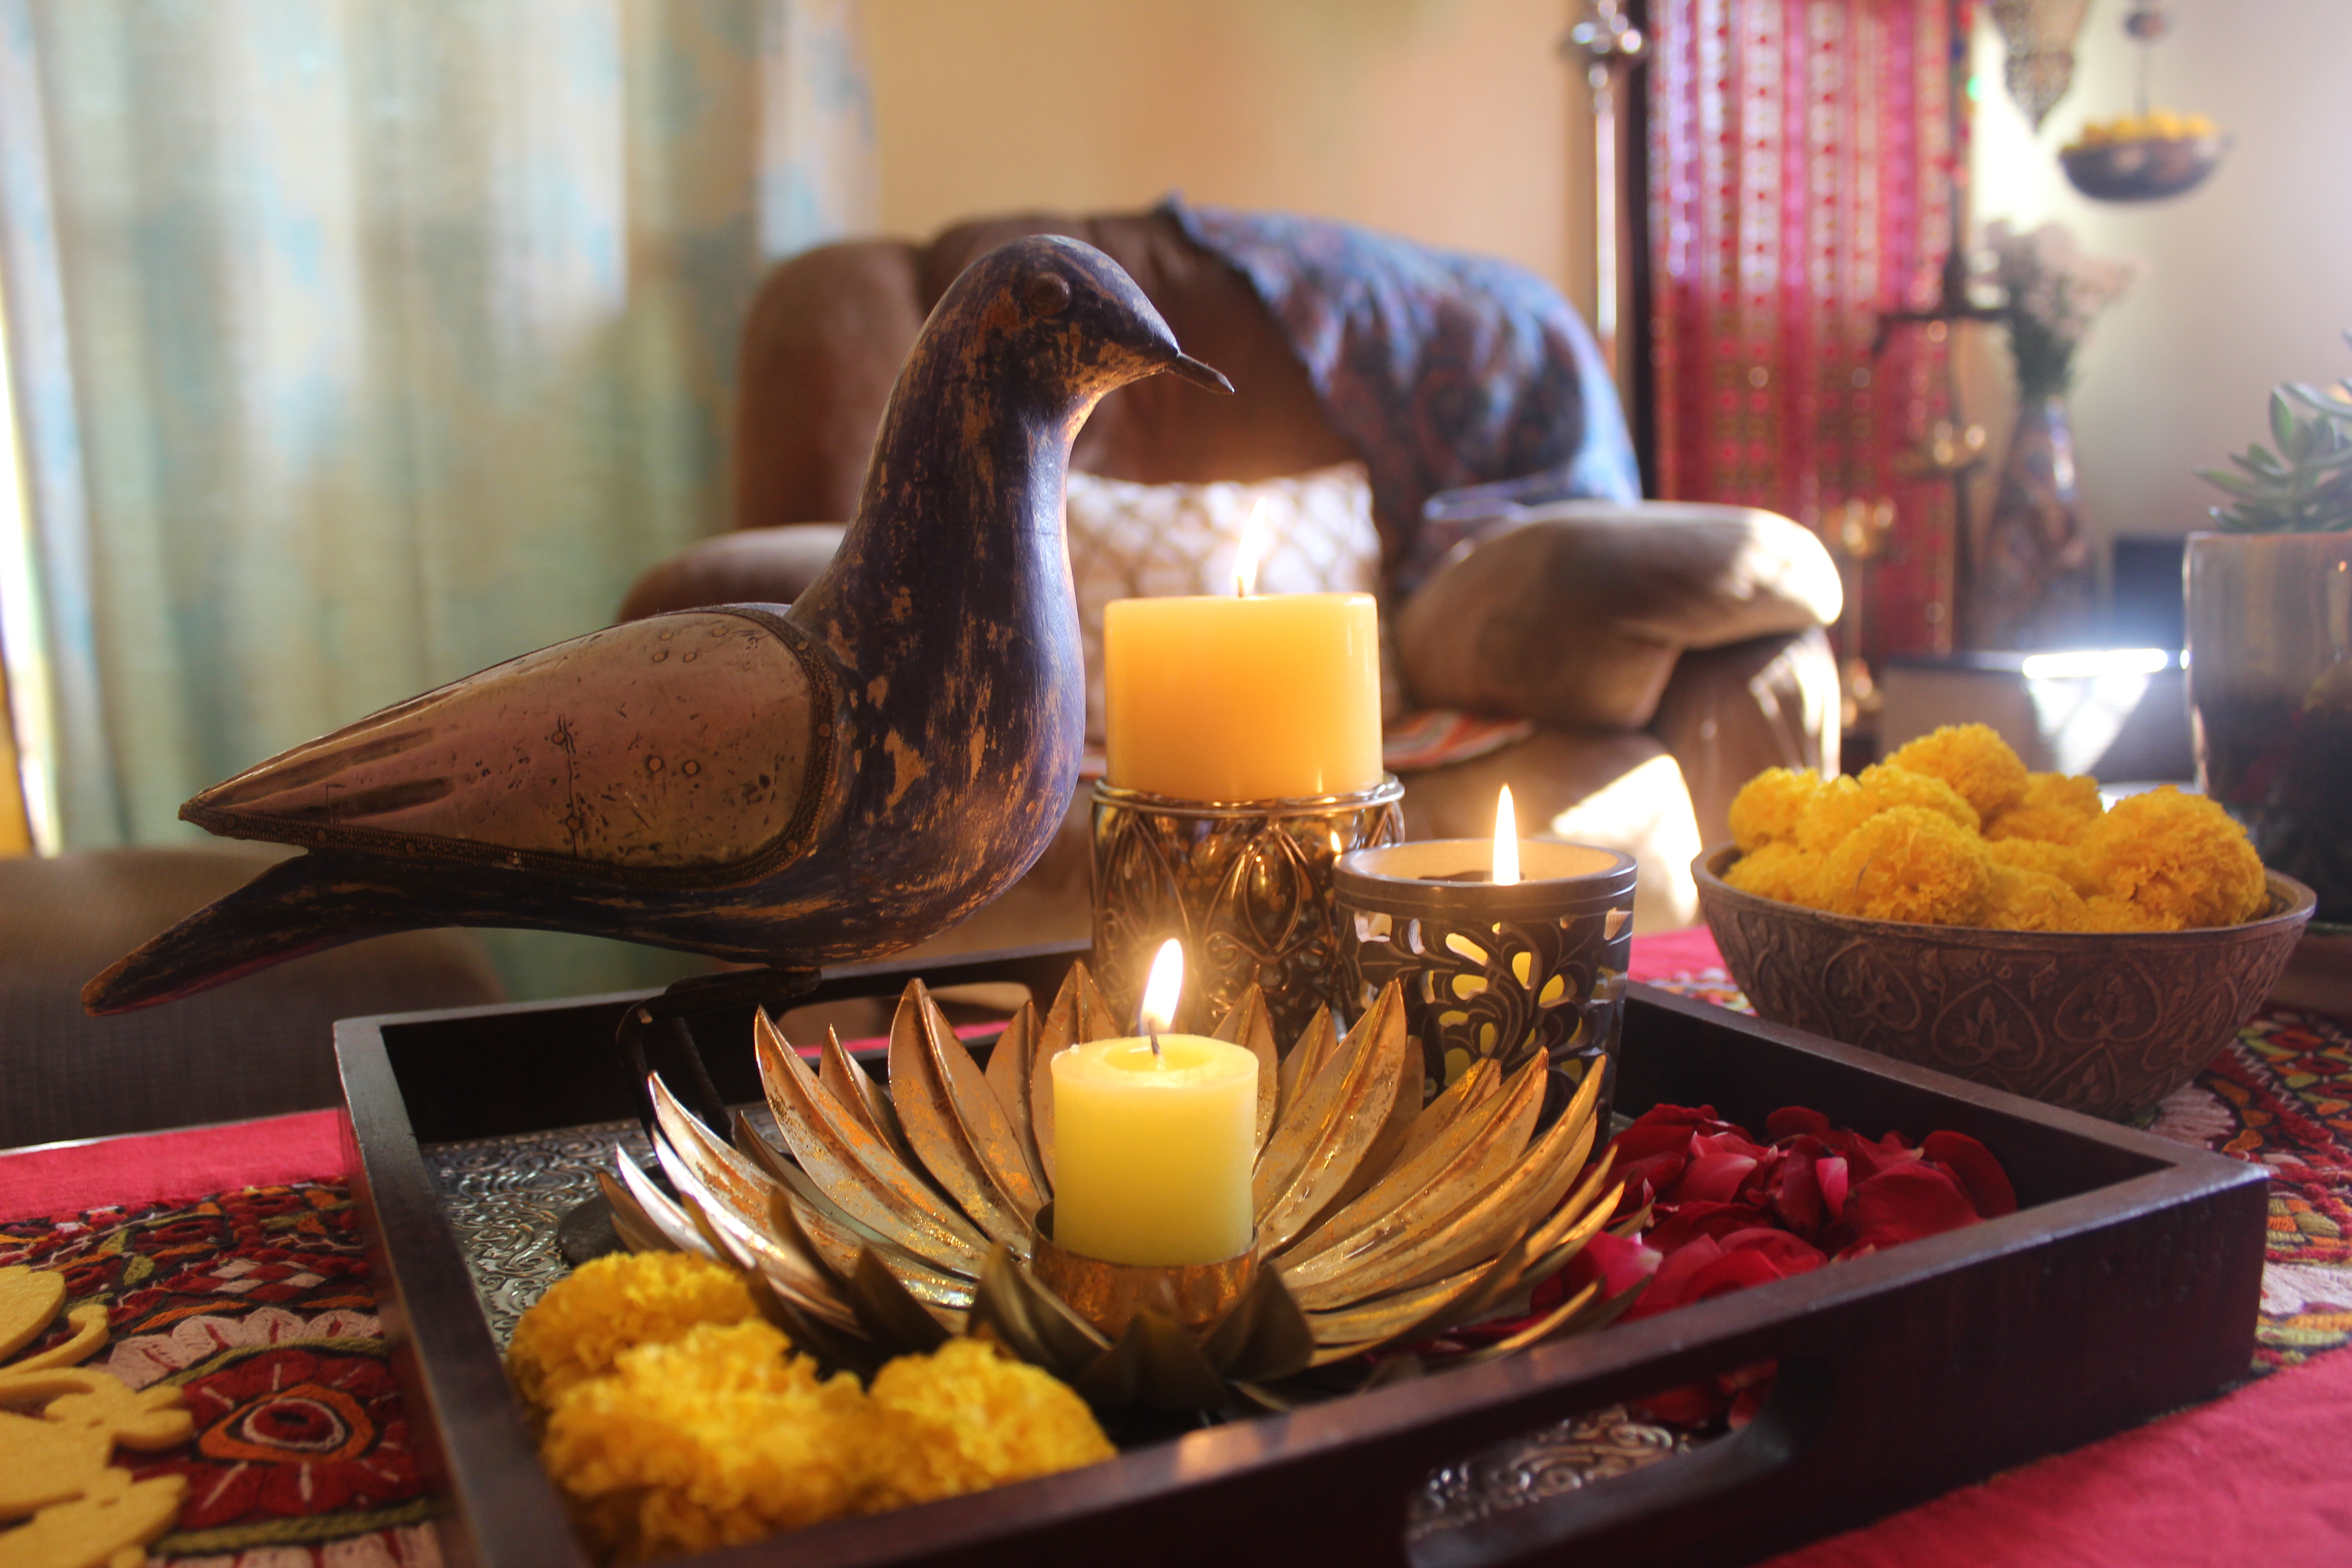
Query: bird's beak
{"points": [[1199, 374]]}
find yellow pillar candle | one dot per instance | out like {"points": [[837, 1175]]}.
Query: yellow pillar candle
{"points": [[1257, 697], [1152, 1151]]}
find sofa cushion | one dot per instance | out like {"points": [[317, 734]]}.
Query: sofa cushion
{"points": [[1574, 613]]}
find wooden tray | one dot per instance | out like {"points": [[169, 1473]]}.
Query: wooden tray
{"points": [[2124, 1287]]}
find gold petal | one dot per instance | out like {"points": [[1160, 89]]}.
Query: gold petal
{"points": [[891, 1318], [745, 1243], [630, 1223], [1369, 1322], [657, 1206], [1490, 1220], [1265, 1337], [1541, 1329], [1176, 1375], [1249, 1024], [1326, 1131], [1002, 1310], [1009, 1064], [1452, 1100], [1079, 1015], [1402, 1114], [732, 1179], [958, 1129], [1478, 1145], [862, 1177], [1115, 1377], [1308, 1054], [804, 1216], [1487, 1286], [1066, 1343], [810, 1333], [855, 1090]]}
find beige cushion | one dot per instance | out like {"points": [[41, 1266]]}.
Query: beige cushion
{"points": [[1132, 541], [1574, 616]]}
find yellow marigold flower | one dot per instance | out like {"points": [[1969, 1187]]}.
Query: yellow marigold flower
{"points": [[1780, 871], [2056, 808], [1768, 806], [1845, 804], [1972, 760], [1909, 864], [719, 1437], [606, 1306], [2032, 900], [965, 1417], [2175, 860]]}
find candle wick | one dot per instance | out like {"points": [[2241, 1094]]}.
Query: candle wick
{"points": [[1155, 1042]]}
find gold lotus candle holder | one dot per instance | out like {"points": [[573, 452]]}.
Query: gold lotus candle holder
{"points": [[1512, 973], [1246, 886], [892, 1219]]}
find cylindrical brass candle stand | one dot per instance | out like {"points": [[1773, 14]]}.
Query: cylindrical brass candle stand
{"points": [[1246, 884], [1508, 971]]}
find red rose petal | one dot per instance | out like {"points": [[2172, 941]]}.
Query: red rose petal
{"points": [[1619, 1264], [1790, 1121], [1789, 1253], [1728, 1271], [1796, 1195], [1680, 1223], [1904, 1204], [1979, 1174], [1670, 1285], [1833, 1178], [1711, 1178]]}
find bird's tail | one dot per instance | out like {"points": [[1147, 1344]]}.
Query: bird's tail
{"points": [[299, 906]]}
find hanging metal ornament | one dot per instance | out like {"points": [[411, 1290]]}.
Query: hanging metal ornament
{"points": [[2040, 35]]}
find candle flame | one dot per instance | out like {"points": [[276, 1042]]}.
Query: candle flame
{"points": [[1164, 989], [1253, 546], [1507, 841]]}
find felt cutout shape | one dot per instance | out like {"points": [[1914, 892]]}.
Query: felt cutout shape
{"points": [[60, 1423], [29, 1299]]}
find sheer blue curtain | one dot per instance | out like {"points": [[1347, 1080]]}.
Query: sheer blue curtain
{"points": [[358, 344]]}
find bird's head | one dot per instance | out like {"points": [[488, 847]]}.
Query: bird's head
{"points": [[1071, 317]]}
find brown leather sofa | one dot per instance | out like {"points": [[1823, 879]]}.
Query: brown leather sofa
{"points": [[1664, 652]]}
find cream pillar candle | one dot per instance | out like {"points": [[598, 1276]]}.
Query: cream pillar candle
{"points": [[1152, 1150], [1246, 697]]}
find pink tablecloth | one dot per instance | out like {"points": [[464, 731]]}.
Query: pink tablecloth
{"points": [[2256, 1474]]}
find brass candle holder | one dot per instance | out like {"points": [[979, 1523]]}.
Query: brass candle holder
{"points": [[893, 1219], [1511, 975], [1246, 886]]}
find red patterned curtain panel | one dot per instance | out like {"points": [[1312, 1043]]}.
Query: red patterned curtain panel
{"points": [[1800, 152]]}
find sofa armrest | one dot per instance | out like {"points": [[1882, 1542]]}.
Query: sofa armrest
{"points": [[756, 566], [1575, 614], [1731, 712]]}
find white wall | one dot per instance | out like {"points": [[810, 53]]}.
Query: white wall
{"points": [[1452, 121], [2247, 279]]}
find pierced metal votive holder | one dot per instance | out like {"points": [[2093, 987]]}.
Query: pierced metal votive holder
{"points": [[1505, 973], [1246, 884]]}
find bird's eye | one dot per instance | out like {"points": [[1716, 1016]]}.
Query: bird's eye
{"points": [[1047, 294]]}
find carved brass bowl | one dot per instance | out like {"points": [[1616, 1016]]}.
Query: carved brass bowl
{"points": [[894, 1218], [2104, 1022]]}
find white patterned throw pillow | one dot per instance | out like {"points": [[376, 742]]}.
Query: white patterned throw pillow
{"points": [[1129, 541]]}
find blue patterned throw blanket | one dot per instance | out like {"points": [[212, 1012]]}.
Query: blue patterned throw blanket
{"points": [[1468, 384]]}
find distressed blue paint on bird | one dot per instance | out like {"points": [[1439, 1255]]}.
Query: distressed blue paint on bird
{"points": [[790, 786]]}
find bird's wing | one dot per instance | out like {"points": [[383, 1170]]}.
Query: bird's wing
{"points": [[698, 744]]}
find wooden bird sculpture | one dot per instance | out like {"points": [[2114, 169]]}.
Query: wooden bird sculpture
{"points": [[786, 786]]}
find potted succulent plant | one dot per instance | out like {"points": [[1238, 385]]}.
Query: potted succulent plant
{"points": [[2270, 642]]}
